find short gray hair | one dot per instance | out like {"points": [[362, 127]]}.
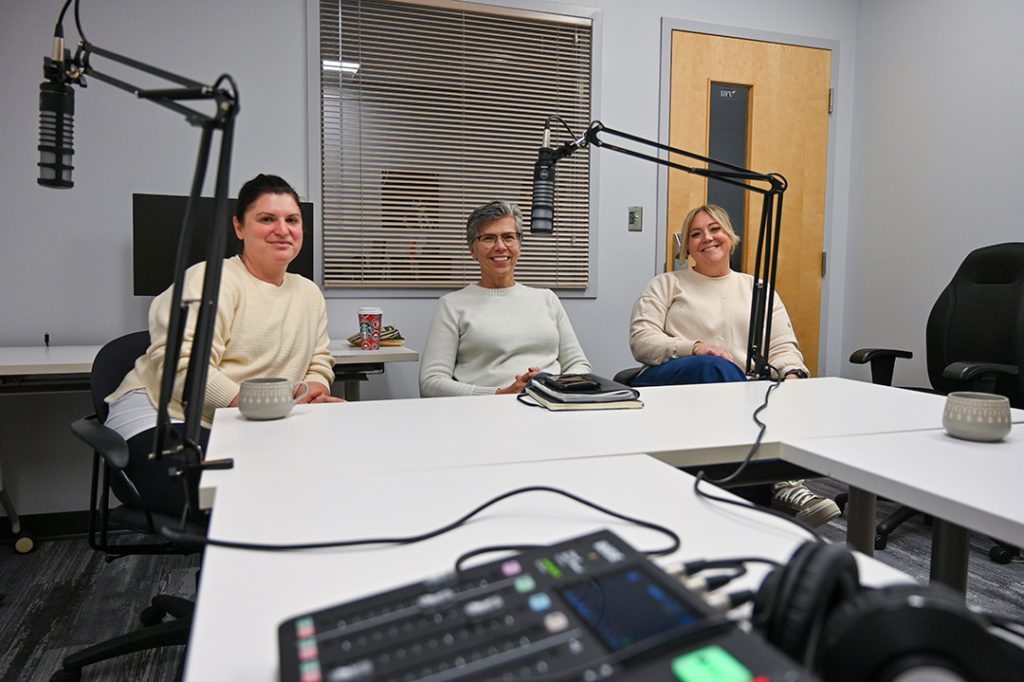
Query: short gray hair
{"points": [[488, 213]]}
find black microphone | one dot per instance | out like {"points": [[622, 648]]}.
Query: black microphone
{"points": [[56, 121], [542, 213]]}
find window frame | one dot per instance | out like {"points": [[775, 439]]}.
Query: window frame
{"points": [[314, 161]]}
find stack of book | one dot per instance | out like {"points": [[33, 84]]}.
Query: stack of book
{"points": [[582, 392]]}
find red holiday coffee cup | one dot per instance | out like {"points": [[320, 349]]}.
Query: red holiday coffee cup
{"points": [[369, 327]]}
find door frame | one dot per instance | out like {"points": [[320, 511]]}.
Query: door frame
{"points": [[668, 25]]}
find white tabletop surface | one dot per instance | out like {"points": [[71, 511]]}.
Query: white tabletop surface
{"points": [[244, 595], [974, 485], [24, 360], [681, 425], [346, 354]]}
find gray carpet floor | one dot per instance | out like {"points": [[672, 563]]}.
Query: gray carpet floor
{"points": [[992, 587], [64, 597]]}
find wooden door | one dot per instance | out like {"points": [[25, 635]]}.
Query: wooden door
{"points": [[787, 133]]}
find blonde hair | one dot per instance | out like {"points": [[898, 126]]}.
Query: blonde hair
{"points": [[719, 215]]}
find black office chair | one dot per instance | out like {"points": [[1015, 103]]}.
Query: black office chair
{"points": [[110, 474], [974, 341], [628, 376]]}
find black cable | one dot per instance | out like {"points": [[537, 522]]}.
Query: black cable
{"points": [[78, 22], [181, 537], [529, 403], [743, 504], [757, 441], [466, 556], [59, 28], [236, 98], [743, 465], [554, 117]]}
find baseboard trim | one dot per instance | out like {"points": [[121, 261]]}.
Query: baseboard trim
{"points": [[51, 525]]}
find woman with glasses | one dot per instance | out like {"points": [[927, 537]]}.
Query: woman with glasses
{"points": [[493, 336]]}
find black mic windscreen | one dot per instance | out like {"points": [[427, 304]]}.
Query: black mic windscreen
{"points": [[542, 213], [56, 133]]}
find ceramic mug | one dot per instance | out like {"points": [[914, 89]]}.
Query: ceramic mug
{"points": [[268, 398], [976, 416]]}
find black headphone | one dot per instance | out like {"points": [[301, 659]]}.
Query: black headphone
{"points": [[815, 610]]}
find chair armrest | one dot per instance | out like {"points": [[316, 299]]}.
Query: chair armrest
{"points": [[105, 442], [978, 376], [882, 360]]}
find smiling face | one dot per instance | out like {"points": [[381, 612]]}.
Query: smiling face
{"points": [[498, 260], [271, 231], [709, 244]]}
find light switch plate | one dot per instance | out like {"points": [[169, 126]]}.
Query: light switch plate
{"points": [[636, 219]]}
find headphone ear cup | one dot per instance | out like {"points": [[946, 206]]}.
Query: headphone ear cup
{"points": [[797, 601], [884, 634], [764, 599]]}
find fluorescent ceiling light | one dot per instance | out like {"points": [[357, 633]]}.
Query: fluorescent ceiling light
{"points": [[344, 67]]}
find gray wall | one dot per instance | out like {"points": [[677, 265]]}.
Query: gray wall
{"points": [[925, 112], [938, 161]]}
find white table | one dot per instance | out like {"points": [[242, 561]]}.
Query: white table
{"points": [[243, 596], [61, 368], [962, 484], [352, 364], [681, 425], [23, 361], [33, 369]]}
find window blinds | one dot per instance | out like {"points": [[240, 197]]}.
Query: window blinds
{"points": [[429, 110]]}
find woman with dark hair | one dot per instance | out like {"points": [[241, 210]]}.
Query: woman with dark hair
{"points": [[269, 323]]}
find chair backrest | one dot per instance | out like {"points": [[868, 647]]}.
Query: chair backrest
{"points": [[110, 366], [979, 317]]}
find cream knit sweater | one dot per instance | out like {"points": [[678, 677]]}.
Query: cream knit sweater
{"points": [[261, 330], [481, 338], [678, 308]]}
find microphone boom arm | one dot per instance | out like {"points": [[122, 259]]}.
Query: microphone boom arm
{"points": [[771, 186], [223, 119]]}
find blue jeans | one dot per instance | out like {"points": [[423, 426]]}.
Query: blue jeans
{"points": [[692, 369]]}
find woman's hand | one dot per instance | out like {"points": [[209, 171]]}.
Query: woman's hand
{"points": [[701, 348], [517, 386], [318, 393]]}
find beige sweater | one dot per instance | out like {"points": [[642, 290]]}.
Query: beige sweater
{"points": [[261, 330], [678, 308]]}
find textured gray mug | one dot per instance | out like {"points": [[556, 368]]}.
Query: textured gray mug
{"points": [[268, 398], [976, 416]]}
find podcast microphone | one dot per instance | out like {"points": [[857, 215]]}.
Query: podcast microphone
{"points": [[56, 119], [542, 213]]}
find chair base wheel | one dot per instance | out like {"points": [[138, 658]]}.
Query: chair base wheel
{"points": [[1000, 554], [64, 675], [881, 541], [25, 542], [151, 615]]}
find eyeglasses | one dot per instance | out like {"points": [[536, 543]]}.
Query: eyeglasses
{"points": [[508, 238]]}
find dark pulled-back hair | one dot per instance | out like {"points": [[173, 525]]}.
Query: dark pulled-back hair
{"points": [[257, 187]]}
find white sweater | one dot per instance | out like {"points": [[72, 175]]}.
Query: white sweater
{"points": [[678, 308], [481, 338], [261, 330]]}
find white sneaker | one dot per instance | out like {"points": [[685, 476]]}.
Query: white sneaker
{"points": [[794, 498]]}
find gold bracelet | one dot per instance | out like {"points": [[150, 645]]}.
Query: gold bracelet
{"points": [[693, 348]]}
